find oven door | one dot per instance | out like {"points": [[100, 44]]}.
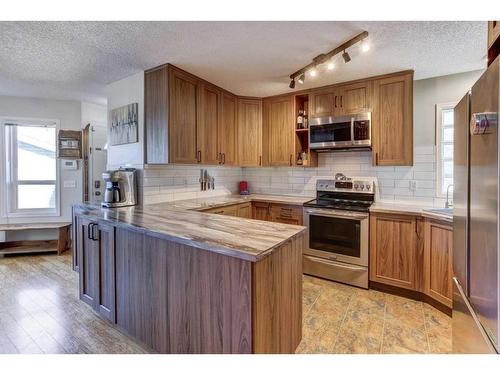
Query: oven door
{"points": [[337, 235], [330, 132]]}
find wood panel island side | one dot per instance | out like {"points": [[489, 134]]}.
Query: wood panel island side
{"points": [[190, 282]]}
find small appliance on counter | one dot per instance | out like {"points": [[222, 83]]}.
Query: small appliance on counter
{"points": [[244, 188], [121, 189]]}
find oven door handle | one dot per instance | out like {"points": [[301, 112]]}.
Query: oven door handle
{"points": [[335, 214]]}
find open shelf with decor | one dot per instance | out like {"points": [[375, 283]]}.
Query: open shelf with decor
{"points": [[303, 155]]}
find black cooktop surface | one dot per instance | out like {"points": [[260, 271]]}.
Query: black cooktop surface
{"points": [[342, 201]]}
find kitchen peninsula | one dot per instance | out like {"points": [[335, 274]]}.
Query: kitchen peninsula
{"points": [[183, 281]]}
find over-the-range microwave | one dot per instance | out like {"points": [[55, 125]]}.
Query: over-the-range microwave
{"points": [[340, 132]]}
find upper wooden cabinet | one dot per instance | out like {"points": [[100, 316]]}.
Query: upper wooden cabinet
{"points": [[280, 128], [438, 262], [228, 130], [249, 133], [356, 98], [325, 102], [393, 249], [183, 117], [392, 120], [209, 118]]}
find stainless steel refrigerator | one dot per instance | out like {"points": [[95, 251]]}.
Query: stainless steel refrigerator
{"points": [[476, 221]]}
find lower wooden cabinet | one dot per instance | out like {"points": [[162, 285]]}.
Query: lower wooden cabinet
{"points": [[438, 262], [96, 252], [261, 211], [287, 214], [240, 210], [412, 253], [393, 249]]}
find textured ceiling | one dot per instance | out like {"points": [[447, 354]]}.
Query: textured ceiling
{"points": [[75, 60]]}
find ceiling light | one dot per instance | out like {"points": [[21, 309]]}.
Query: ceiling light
{"points": [[312, 72], [302, 78], [346, 57], [365, 47], [330, 66], [292, 84]]}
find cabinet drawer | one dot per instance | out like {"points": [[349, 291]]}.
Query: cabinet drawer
{"points": [[288, 214]]}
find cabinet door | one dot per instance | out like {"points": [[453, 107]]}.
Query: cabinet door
{"points": [[250, 132], [208, 124], [156, 115], [245, 210], [261, 211], [105, 239], [356, 98], [287, 214], [228, 130], [438, 258], [183, 104], [88, 262], [393, 250], [493, 32], [280, 125], [322, 103], [392, 120]]}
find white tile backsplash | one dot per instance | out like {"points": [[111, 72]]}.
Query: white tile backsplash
{"points": [[174, 182]]}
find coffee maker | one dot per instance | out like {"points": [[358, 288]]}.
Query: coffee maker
{"points": [[121, 189]]}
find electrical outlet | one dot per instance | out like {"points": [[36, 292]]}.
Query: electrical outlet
{"points": [[413, 185]]}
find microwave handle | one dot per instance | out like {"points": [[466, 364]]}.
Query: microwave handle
{"points": [[352, 129]]}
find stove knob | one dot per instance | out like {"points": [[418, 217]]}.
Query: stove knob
{"points": [[368, 187], [356, 186], [362, 187]]}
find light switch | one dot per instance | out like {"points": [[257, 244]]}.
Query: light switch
{"points": [[69, 184]]}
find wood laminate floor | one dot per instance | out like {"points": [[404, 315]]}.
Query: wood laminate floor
{"points": [[40, 313]]}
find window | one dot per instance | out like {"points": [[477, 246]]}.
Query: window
{"points": [[444, 141], [31, 167]]}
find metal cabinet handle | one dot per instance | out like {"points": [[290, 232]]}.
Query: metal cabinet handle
{"points": [[95, 236], [376, 158], [198, 156], [89, 228], [224, 158], [340, 101], [291, 159], [335, 100], [260, 160], [219, 158]]}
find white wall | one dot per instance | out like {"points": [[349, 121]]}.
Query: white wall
{"points": [[126, 91], [69, 115], [394, 182], [94, 114]]}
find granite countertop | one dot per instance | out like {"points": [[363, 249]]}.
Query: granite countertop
{"points": [[182, 222], [412, 209]]}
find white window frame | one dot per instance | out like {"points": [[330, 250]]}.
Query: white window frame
{"points": [[439, 121], [8, 173]]}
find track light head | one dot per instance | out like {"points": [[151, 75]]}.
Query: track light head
{"points": [[302, 78], [292, 84], [346, 57]]}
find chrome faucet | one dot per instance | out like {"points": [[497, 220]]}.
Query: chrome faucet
{"points": [[448, 204]]}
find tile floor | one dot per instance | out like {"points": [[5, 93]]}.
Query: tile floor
{"points": [[40, 313], [343, 319]]}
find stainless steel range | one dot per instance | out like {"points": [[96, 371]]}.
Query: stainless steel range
{"points": [[337, 222]]}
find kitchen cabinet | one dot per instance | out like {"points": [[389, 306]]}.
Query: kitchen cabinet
{"points": [[392, 120], [326, 102], [245, 210], [239, 210], [209, 118], [356, 98], [393, 249], [183, 118], [249, 132], [261, 211], [280, 125], [438, 256], [286, 214], [228, 130], [96, 251]]}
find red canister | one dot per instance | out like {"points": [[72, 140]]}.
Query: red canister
{"points": [[244, 188]]}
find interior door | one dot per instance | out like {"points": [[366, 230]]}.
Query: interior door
{"points": [[484, 218]]}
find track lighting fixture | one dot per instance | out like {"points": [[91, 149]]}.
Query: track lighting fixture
{"points": [[326, 58], [346, 57]]}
